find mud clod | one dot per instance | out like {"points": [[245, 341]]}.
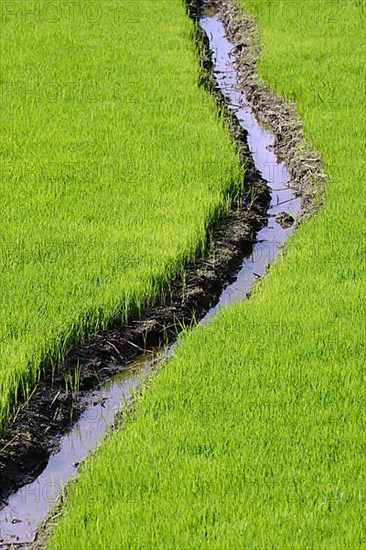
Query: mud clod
{"points": [[285, 219]]}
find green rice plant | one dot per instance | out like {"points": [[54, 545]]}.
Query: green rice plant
{"points": [[72, 382], [113, 163], [254, 435]]}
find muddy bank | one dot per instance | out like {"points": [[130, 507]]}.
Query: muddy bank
{"points": [[304, 164], [37, 429]]}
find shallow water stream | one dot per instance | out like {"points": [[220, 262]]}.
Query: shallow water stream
{"points": [[32, 503]]}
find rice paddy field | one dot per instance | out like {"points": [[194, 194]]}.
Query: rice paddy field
{"points": [[253, 434], [113, 164]]}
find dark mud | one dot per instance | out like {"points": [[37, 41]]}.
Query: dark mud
{"points": [[36, 431]]}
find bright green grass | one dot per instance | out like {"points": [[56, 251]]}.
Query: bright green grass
{"points": [[254, 435], [112, 163]]}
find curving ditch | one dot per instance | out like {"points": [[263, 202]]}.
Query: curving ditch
{"points": [[30, 504], [285, 206]]}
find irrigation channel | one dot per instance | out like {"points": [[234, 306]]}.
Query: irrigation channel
{"points": [[31, 504]]}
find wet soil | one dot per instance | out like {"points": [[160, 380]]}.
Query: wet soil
{"points": [[36, 431]]}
